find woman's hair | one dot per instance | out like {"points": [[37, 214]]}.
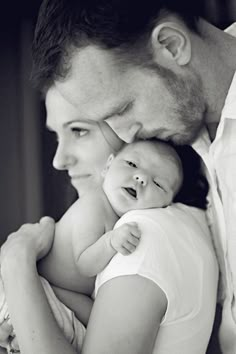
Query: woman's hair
{"points": [[195, 187], [123, 25]]}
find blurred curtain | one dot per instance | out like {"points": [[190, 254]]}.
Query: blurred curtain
{"points": [[29, 188], [20, 186]]}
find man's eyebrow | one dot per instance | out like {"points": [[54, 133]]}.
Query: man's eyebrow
{"points": [[82, 121], [118, 108]]}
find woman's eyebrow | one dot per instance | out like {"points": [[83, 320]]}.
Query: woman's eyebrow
{"points": [[77, 120]]}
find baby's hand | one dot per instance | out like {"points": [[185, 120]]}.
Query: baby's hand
{"points": [[125, 238]]}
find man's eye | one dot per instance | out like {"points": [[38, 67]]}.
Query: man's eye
{"points": [[132, 164], [78, 132]]}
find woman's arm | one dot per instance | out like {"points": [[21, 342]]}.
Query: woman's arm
{"points": [[80, 304], [125, 317], [34, 324]]}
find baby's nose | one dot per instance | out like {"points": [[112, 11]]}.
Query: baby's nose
{"points": [[141, 179]]}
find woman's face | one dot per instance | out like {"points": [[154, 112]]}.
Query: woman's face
{"points": [[82, 149]]}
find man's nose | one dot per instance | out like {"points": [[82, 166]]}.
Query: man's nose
{"points": [[127, 134], [63, 158], [141, 178]]}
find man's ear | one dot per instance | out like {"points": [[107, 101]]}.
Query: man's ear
{"points": [[108, 164], [172, 41]]}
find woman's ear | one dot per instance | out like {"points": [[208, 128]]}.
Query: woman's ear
{"points": [[172, 41], [108, 164]]}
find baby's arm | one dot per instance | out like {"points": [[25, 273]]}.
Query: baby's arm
{"points": [[123, 239]]}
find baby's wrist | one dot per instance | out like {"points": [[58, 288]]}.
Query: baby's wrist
{"points": [[109, 243]]}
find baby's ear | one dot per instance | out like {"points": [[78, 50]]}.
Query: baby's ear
{"points": [[108, 164]]}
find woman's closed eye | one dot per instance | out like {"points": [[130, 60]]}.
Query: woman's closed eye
{"points": [[131, 164]]}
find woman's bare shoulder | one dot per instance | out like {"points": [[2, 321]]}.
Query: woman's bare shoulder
{"points": [[91, 202]]}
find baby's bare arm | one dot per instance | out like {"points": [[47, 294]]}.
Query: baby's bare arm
{"points": [[74, 233], [80, 304], [123, 239], [95, 257]]}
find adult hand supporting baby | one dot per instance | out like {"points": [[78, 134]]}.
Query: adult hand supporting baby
{"points": [[23, 289], [31, 241]]}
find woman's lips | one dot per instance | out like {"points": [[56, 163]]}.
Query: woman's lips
{"points": [[79, 176]]}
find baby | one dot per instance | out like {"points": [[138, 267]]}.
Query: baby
{"points": [[144, 174]]}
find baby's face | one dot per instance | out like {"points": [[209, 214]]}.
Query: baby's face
{"points": [[143, 175]]}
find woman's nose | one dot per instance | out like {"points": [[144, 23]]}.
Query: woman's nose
{"points": [[140, 178], [63, 159]]}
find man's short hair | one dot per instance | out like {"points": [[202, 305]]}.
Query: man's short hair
{"points": [[124, 25]]}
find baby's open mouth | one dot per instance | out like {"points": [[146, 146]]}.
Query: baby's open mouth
{"points": [[131, 192]]}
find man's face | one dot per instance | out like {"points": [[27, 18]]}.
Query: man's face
{"points": [[135, 101]]}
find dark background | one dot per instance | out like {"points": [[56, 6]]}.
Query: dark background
{"points": [[29, 187]]}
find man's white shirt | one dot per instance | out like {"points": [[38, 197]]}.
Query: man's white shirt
{"points": [[220, 161]]}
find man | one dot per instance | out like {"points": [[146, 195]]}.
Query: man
{"points": [[153, 69]]}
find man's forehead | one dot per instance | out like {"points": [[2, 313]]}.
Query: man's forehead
{"points": [[98, 107], [93, 73], [60, 110]]}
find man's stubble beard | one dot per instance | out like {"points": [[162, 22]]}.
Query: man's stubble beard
{"points": [[189, 105]]}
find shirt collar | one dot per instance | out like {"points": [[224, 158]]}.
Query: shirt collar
{"points": [[202, 143], [229, 109]]}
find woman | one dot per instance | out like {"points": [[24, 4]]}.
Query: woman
{"points": [[133, 312]]}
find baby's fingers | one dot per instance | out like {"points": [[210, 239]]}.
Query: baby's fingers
{"points": [[127, 248], [124, 251], [133, 240], [134, 229]]}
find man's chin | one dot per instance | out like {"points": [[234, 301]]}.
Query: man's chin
{"points": [[187, 138], [181, 140]]}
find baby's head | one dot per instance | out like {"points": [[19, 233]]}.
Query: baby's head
{"points": [[144, 174]]}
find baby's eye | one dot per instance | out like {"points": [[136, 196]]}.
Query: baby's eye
{"points": [[157, 184], [78, 132], [132, 164]]}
